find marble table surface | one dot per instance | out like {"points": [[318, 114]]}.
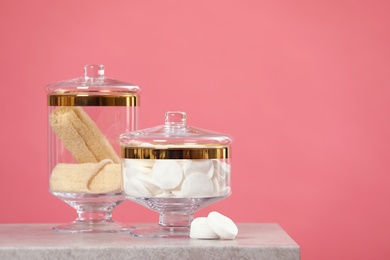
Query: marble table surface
{"points": [[38, 241]]}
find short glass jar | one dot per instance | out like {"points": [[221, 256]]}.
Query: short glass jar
{"points": [[175, 169]]}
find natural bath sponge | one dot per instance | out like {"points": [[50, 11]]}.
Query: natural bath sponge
{"points": [[81, 136], [102, 177]]}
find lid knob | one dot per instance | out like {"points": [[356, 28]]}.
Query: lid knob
{"points": [[93, 71], [175, 118]]}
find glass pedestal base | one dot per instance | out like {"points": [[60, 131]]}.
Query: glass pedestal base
{"points": [[176, 215], [94, 213], [94, 226], [162, 232]]}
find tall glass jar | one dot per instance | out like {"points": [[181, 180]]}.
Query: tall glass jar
{"points": [[85, 117]]}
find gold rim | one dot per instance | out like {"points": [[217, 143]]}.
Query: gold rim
{"points": [[175, 153], [95, 100]]}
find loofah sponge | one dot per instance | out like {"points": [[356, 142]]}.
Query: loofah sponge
{"points": [[102, 177], [80, 135]]}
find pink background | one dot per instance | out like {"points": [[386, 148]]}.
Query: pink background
{"points": [[302, 86]]}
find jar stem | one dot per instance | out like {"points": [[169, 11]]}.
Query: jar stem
{"points": [[93, 216], [95, 211], [175, 219]]}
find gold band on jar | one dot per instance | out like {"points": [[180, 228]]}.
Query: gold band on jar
{"points": [[129, 100], [175, 153]]}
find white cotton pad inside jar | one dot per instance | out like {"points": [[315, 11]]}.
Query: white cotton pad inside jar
{"points": [[168, 174], [197, 185], [198, 166]]}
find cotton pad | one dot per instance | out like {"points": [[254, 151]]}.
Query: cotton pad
{"points": [[222, 225], [201, 230], [168, 174], [149, 182], [198, 166], [133, 170], [197, 185], [135, 188]]}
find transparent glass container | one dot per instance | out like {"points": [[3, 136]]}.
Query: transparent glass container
{"points": [[175, 170], [85, 117]]}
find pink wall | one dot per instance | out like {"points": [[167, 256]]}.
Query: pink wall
{"points": [[302, 86]]}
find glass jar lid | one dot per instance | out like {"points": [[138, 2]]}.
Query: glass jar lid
{"points": [[93, 89], [175, 140]]}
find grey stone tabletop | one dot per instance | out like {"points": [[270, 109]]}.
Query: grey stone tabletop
{"points": [[38, 241]]}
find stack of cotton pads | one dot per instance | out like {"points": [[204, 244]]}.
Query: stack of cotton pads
{"points": [[176, 178], [215, 226]]}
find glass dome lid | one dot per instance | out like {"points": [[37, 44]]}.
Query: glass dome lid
{"points": [[174, 140], [93, 89], [93, 80]]}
